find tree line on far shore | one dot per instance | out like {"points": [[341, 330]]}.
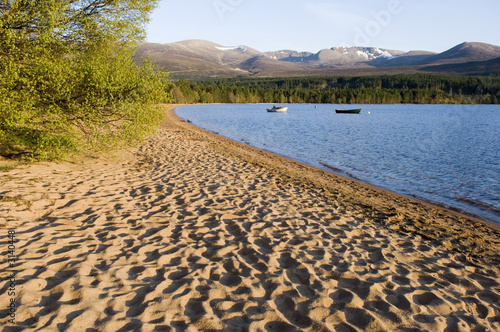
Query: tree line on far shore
{"points": [[384, 89]]}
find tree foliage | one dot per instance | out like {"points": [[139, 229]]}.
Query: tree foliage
{"points": [[386, 89], [67, 76]]}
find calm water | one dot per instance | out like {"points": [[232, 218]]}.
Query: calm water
{"points": [[447, 154]]}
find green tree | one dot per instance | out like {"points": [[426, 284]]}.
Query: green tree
{"points": [[68, 81]]}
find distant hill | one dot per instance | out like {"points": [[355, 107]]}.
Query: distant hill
{"points": [[465, 52], [491, 67], [204, 59]]}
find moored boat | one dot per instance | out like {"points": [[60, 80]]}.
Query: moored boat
{"points": [[352, 111], [278, 109]]}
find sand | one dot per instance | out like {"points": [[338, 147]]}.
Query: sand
{"points": [[191, 231]]}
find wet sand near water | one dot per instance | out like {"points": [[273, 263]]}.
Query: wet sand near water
{"points": [[192, 231]]}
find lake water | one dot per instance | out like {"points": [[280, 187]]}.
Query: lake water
{"points": [[448, 154]]}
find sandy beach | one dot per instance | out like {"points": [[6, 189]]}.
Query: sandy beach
{"points": [[195, 232]]}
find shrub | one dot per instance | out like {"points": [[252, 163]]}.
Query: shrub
{"points": [[67, 79]]}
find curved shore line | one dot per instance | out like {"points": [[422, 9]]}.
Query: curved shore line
{"points": [[386, 207], [442, 198]]}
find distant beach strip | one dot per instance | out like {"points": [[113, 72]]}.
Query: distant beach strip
{"points": [[192, 231]]}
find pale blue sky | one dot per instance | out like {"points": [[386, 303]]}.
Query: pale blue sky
{"points": [[311, 25]]}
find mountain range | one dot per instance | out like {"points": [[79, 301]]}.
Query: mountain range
{"points": [[205, 59]]}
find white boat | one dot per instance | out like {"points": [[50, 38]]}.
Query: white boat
{"points": [[278, 109]]}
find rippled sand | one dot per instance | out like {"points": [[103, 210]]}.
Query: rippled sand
{"points": [[195, 232]]}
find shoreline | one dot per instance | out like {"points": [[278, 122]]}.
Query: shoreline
{"points": [[325, 176], [193, 231], [465, 206]]}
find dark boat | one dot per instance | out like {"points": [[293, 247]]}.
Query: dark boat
{"points": [[353, 111]]}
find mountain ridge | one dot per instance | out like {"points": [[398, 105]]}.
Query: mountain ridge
{"points": [[203, 59]]}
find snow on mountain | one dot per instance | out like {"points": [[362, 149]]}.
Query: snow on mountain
{"points": [[236, 48], [368, 53]]}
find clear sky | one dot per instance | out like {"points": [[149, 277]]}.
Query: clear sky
{"points": [[312, 25]]}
